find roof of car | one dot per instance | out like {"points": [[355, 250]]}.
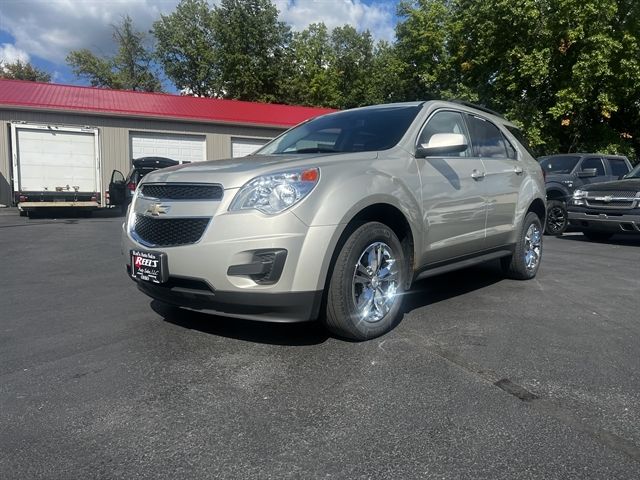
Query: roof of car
{"points": [[101, 101]]}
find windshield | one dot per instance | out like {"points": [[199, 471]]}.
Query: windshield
{"points": [[560, 164], [635, 173], [360, 130]]}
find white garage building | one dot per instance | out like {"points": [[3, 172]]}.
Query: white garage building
{"points": [[114, 126]]}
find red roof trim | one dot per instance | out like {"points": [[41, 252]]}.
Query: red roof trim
{"points": [[56, 97]]}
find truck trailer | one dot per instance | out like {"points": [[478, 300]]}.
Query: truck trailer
{"points": [[55, 167]]}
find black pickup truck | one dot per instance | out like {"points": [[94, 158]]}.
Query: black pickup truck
{"points": [[565, 173], [601, 210]]}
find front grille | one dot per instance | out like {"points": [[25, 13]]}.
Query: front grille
{"points": [[183, 191], [611, 199], [169, 232]]}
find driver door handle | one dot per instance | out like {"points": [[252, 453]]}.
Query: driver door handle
{"points": [[477, 175], [518, 170]]}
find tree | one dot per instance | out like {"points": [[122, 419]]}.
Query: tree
{"points": [[251, 44], [129, 69], [311, 78], [187, 49], [567, 70], [23, 71]]}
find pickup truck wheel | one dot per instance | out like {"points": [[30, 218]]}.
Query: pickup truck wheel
{"points": [[557, 218], [525, 261], [365, 289], [597, 236]]}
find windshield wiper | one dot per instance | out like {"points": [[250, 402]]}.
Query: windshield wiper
{"points": [[315, 150]]}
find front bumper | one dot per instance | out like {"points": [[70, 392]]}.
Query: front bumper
{"points": [[614, 221], [200, 277]]}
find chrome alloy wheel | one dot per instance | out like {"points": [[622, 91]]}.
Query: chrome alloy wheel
{"points": [[375, 282], [532, 247]]}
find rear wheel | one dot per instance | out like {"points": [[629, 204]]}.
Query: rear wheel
{"points": [[525, 261], [557, 218], [597, 236], [364, 295]]}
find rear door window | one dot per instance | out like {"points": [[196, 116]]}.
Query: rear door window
{"points": [[618, 167], [488, 141]]}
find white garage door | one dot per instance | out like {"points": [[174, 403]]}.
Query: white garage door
{"points": [[241, 147], [183, 148]]}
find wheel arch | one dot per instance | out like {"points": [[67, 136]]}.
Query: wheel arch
{"points": [[382, 212], [538, 207]]}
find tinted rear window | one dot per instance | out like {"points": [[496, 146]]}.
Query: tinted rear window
{"points": [[522, 139], [349, 131], [618, 167]]}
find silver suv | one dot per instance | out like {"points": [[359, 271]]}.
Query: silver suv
{"points": [[335, 218]]}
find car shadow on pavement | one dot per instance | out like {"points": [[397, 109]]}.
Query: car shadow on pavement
{"points": [[293, 334], [449, 285], [626, 240]]}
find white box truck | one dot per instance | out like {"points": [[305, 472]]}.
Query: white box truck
{"points": [[55, 167]]}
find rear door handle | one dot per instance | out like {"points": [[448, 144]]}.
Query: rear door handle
{"points": [[477, 175], [518, 170]]}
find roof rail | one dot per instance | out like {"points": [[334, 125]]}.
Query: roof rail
{"points": [[477, 107]]}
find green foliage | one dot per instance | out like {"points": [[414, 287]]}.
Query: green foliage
{"points": [[187, 50], [568, 71], [23, 71], [251, 43], [129, 69]]}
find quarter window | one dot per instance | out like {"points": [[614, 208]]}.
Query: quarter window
{"points": [[488, 140], [444, 122]]}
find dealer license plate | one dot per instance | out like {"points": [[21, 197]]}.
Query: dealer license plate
{"points": [[149, 266]]}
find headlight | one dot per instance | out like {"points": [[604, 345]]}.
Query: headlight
{"points": [[578, 197], [275, 193]]}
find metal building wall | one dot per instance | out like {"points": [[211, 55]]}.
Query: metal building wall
{"points": [[114, 138]]}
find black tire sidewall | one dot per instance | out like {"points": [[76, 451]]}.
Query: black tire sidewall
{"points": [[517, 267], [342, 281], [555, 204]]}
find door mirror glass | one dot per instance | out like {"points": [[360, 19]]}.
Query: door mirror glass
{"points": [[442, 144], [117, 177], [587, 173]]}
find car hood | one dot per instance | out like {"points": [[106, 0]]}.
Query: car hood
{"points": [[235, 172], [626, 185]]}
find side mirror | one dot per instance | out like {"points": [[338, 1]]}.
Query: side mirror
{"points": [[442, 144], [587, 173]]}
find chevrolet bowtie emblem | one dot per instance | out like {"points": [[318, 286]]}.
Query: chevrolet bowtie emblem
{"points": [[156, 209]]}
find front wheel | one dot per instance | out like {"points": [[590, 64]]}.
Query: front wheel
{"points": [[364, 295], [525, 261], [557, 218]]}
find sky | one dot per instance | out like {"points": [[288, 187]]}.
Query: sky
{"points": [[43, 32]]}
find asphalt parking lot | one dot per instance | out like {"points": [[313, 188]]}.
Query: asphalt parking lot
{"points": [[484, 378]]}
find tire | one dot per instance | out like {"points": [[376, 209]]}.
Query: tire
{"points": [[23, 213], [366, 244], [597, 236], [526, 258], [557, 218]]}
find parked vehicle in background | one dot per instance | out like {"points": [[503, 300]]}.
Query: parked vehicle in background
{"points": [[55, 167], [121, 189], [338, 216], [564, 173], [601, 210]]}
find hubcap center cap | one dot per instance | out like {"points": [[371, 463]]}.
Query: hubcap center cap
{"points": [[375, 282]]}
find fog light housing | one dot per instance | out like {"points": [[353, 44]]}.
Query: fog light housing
{"points": [[265, 269]]}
